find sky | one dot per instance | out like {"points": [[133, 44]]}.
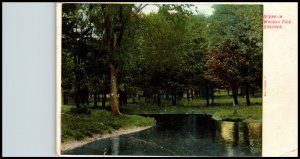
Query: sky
{"points": [[202, 8]]}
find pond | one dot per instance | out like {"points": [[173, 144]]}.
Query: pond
{"points": [[182, 135]]}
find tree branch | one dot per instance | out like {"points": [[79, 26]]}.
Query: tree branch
{"points": [[139, 9]]}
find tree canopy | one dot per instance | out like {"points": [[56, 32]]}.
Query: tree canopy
{"points": [[117, 50]]}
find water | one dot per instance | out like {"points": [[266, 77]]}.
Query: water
{"points": [[182, 135]]}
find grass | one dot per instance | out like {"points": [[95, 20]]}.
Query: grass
{"points": [[77, 127], [221, 110], [218, 112], [243, 113]]}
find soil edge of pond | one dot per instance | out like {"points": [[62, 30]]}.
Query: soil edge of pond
{"points": [[69, 145]]}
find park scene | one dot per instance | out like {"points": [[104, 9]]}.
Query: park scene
{"points": [[161, 79]]}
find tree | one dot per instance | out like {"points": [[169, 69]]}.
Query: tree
{"points": [[235, 46], [74, 39], [171, 50]]}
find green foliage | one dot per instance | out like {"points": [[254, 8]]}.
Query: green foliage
{"points": [[235, 45], [167, 48], [161, 53]]}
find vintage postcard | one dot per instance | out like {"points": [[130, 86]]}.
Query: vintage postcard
{"points": [[177, 79]]}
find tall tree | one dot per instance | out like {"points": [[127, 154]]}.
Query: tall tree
{"points": [[235, 46], [116, 20], [74, 39]]}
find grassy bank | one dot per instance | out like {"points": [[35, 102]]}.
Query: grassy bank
{"points": [[218, 112], [222, 108], [77, 127]]}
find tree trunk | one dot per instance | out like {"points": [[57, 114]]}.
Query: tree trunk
{"points": [[77, 93], [212, 96], [207, 95], [247, 93], [65, 97], [121, 98], [181, 94], [103, 99], [235, 96], [192, 93], [188, 95], [125, 98], [199, 92], [112, 42], [114, 102], [87, 98], [77, 99], [158, 99], [98, 97], [252, 91], [95, 100], [235, 134], [242, 92], [174, 98]]}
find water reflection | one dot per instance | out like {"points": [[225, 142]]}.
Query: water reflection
{"points": [[227, 131], [245, 136], [182, 135], [255, 135], [227, 134], [115, 145]]}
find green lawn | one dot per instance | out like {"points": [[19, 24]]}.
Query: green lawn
{"points": [[76, 127], [222, 109], [219, 112]]}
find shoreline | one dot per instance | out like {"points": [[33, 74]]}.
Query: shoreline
{"points": [[217, 118], [69, 145]]}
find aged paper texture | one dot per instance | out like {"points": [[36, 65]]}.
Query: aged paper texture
{"points": [[280, 100], [280, 79]]}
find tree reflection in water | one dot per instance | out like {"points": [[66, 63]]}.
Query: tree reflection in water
{"points": [[240, 134]]}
